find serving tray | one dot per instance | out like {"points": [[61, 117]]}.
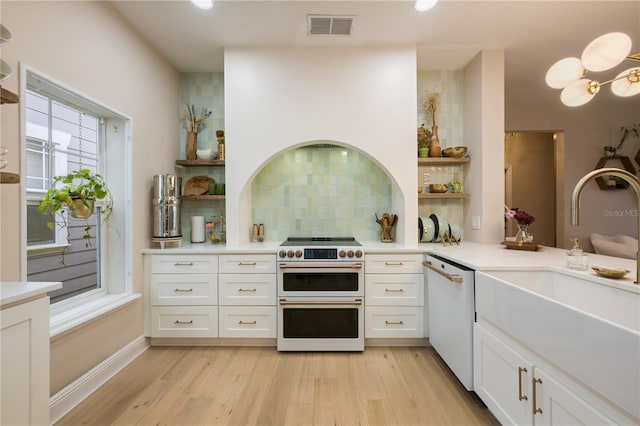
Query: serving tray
{"points": [[528, 246]]}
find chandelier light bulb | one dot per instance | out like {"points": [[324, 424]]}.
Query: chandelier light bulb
{"points": [[424, 5], [627, 83], [564, 73], [606, 51], [579, 93]]}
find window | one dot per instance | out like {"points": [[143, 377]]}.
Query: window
{"points": [[65, 132]]}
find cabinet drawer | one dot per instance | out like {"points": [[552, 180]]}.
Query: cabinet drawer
{"points": [[393, 263], [248, 263], [184, 321], [394, 289], [247, 321], [184, 264], [394, 321], [247, 289], [186, 289]]}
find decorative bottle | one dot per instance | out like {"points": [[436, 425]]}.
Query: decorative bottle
{"points": [[576, 258]]}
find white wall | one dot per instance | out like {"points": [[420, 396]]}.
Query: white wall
{"points": [[88, 47], [587, 129], [276, 99], [484, 135]]}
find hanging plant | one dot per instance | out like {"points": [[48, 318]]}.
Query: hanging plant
{"points": [[76, 192]]}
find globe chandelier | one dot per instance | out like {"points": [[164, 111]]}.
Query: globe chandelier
{"points": [[603, 53]]}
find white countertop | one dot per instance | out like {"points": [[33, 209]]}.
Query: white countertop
{"points": [[12, 293], [478, 256]]}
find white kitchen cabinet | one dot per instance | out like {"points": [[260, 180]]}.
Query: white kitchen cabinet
{"points": [[394, 296], [183, 295], [519, 392], [24, 353], [184, 321], [501, 378], [247, 295], [393, 263], [394, 321], [247, 321]]}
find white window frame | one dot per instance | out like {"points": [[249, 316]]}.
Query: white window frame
{"points": [[117, 286]]}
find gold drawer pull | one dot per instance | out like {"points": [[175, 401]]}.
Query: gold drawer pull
{"points": [[393, 290], [252, 290], [393, 264], [536, 410], [394, 322], [183, 264], [180, 290], [247, 322], [520, 395], [247, 263], [183, 322]]}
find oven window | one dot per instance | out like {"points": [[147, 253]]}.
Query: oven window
{"points": [[323, 281], [329, 323]]}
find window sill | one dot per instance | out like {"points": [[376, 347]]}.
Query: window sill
{"points": [[71, 319], [46, 249]]}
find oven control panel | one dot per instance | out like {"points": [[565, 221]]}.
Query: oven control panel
{"points": [[320, 253]]}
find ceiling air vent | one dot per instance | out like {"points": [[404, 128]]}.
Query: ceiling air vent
{"points": [[329, 25]]}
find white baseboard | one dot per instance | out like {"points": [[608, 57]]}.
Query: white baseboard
{"points": [[69, 397]]}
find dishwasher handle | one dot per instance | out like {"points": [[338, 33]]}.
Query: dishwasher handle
{"points": [[451, 277]]}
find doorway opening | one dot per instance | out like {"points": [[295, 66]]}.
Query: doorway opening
{"points": [[533, 173]]}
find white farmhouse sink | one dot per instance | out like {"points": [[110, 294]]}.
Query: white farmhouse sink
{"points": [[608, 303], [589, 330]]}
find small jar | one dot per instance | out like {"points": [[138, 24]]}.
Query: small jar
{"points": [[576, 258]]}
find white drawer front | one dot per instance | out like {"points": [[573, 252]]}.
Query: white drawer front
{"points": [[394, 321], [184, 264], [393, 264], [247, 321], [186, 289], [248, 263], [247, 289], [394, 289], [184, 321]]}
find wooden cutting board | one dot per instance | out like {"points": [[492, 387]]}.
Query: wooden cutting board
{"points": [[197, 185]]}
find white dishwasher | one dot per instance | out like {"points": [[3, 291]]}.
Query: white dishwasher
{"points": [[451, 313]]}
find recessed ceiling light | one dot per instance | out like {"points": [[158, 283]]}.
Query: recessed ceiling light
{"points": [[424, 5], [203, 4]]}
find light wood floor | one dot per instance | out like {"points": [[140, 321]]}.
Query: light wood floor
{"points": [[260, 386]]}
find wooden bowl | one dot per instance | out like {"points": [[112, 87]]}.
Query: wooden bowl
{"points": [[455, 152], [438, 188]]}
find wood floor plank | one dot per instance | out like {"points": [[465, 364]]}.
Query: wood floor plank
{"points": [[260, 386]]}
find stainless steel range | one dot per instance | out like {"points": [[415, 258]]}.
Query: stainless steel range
{"points": [[321, 294]]}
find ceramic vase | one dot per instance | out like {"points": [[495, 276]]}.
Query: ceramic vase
{"points": [[435, 150]]}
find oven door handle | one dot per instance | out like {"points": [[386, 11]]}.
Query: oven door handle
{"points": [[321, 266], [451, 277], [356, 302]]}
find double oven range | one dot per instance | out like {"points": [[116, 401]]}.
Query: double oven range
{"points": [[320, 294]]}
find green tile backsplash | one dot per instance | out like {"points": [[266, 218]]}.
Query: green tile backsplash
{"points": [[320, 191]]}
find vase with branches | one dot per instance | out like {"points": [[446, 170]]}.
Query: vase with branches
{"points": [[431, 105]]}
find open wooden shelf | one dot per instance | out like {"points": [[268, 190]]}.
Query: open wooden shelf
{"points": [[194, 163], [443, 195], [7, 97], [602, 184], [6, 177], [205, 197], [440, 161]]}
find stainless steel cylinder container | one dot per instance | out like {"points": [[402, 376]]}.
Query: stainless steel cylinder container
{"points": [[167, 190]]}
